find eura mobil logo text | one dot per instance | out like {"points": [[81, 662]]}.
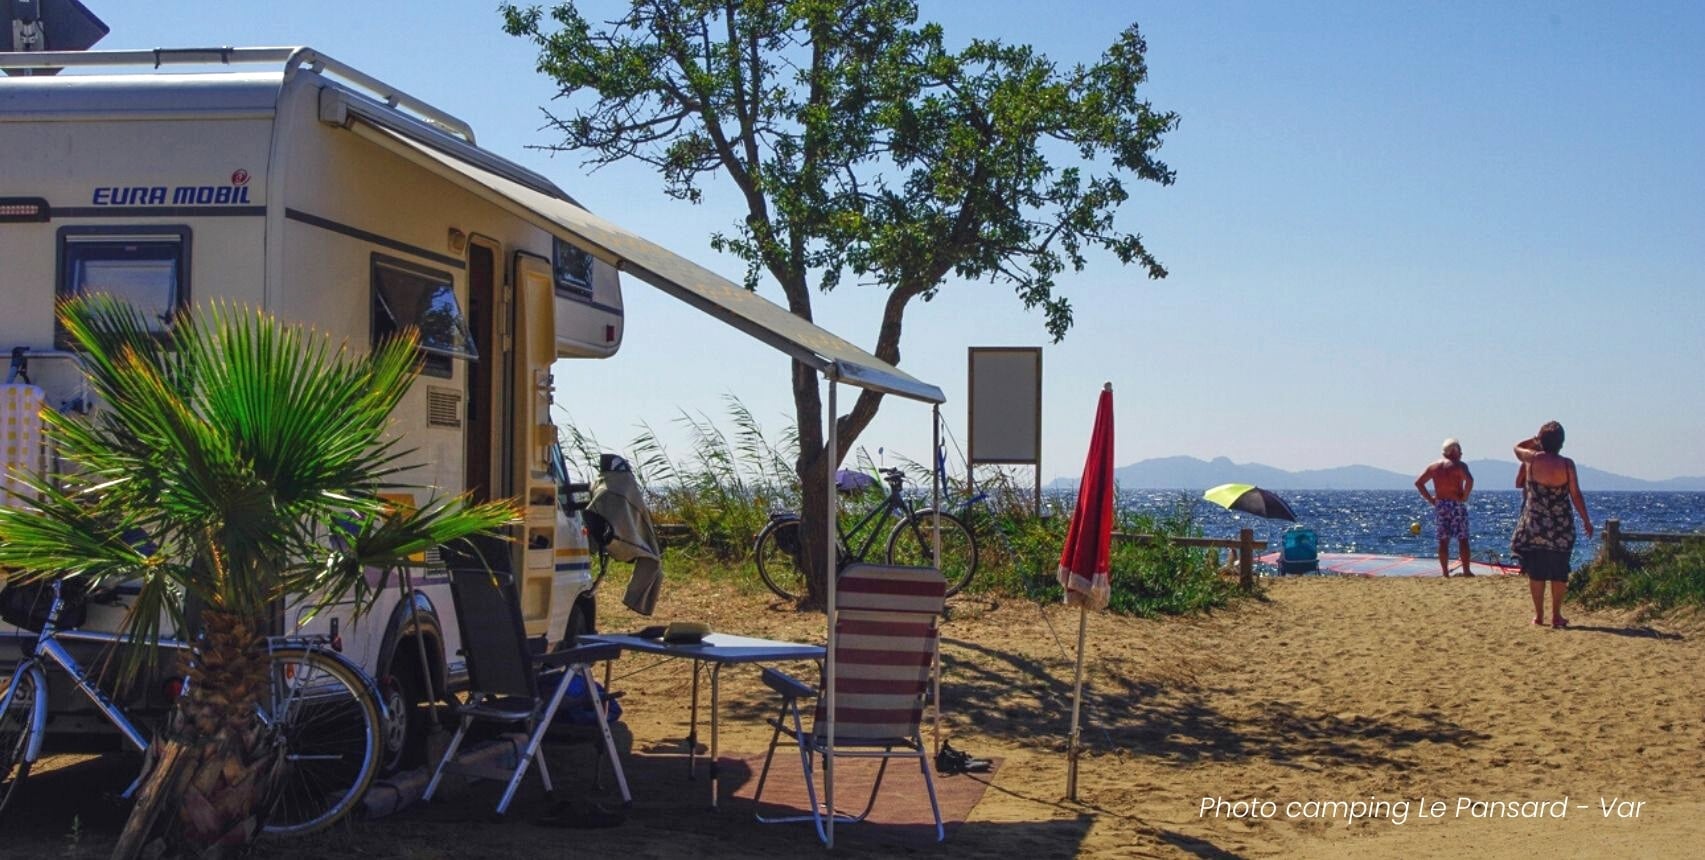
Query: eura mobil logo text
{"points": [[234, 194]]}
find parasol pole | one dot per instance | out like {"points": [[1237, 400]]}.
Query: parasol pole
{"points": [[1077, 700]]}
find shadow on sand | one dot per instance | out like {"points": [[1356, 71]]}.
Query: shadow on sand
{"points": [[1633, 632], [69, 794], [1195, 846], [1179, 723], [71, 809]]}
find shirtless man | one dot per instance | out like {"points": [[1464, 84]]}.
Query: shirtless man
{"points": [[1452, 482]]}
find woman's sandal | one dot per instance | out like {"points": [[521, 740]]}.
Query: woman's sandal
{"points": [[1559, 623]]}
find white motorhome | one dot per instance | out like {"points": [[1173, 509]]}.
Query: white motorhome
{"points": [[283, 180], [279, 178]]}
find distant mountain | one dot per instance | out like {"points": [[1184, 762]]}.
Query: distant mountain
{"points": [[1498, 474], [1190, 473]]}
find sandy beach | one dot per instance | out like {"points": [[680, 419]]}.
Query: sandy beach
{"points": [[1403, 694]]}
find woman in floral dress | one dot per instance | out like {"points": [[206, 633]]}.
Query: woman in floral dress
{"points": [[1545, 533]]}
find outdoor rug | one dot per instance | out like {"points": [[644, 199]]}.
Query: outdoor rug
{"points": [[901, 814]]}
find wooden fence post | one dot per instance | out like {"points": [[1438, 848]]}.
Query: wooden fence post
{"points": [[1246, 559], [1613, 539]]}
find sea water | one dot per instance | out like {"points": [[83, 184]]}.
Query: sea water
{"points": [[1379, 521]]}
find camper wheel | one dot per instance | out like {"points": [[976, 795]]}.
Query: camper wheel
{"points": [[404, 692], [396, 722], [582, 619]]}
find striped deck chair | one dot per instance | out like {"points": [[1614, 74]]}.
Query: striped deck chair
{"points": [[885, 645]]}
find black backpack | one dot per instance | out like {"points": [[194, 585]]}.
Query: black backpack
{"points": [[26, 604]]}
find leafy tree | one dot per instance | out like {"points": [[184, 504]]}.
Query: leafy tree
{"points": [[860, 143], [221, 460]]}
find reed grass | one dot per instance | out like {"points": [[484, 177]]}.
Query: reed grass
{"points": [[1666, 576], [1147, 580], [716, 495]]}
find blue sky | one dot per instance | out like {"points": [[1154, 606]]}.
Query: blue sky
{"points": [[1393, 222]]}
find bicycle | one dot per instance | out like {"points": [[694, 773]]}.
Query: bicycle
{"points": [[911, 542], [319, 707]]}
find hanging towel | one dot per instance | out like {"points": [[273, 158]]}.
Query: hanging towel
{"points": [[618, 498], [20, 439]]}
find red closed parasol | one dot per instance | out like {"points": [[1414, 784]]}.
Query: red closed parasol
{"points": [[1084, 559], [1089, 540]]}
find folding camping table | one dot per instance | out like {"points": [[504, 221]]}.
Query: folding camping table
{"points": [[717, 649]]}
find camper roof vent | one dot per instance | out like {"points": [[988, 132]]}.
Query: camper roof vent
{"points": [[443, 407]]}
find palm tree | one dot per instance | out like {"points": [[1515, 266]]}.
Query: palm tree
{"points": [[235, 464]]}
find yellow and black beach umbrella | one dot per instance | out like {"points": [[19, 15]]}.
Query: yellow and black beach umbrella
{"points": [[1251, 500]]}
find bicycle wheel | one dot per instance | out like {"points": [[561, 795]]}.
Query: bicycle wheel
{"points": [[327, 719], [777, 553], [18, 693], [912, 543]]}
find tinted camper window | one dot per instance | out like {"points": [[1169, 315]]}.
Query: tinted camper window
{"points": [[408, 295], [147, 267], [572, 268]]}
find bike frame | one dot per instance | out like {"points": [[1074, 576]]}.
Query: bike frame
{"points": [[895, 503], [945, 492], [48, 648]]}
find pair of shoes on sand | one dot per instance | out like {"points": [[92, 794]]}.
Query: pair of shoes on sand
{"points": [[581, 816], [950, 760]]}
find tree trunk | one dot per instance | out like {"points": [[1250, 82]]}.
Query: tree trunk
{"points": [[164, 762], [813, 483], [814, 547], [216, 764]]}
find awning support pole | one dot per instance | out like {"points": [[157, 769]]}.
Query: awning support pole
{"points": [[829, 553], [939, 479]]}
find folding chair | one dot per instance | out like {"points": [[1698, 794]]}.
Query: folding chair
{"points": [[1298, 551], [503, 673], [885, 645]]}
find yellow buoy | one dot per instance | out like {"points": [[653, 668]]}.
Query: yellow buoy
{"points": [[1415, 528]]}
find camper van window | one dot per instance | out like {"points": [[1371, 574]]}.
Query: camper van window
{"points": [[148, 270], [406, 295], [573, 270]]}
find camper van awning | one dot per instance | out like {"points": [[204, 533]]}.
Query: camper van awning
{"points": [[665, 270]]}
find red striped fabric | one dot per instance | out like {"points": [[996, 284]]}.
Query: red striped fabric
{"points": [[885, 636], [912, 588], [890, 588], [866, 657], [868, 716], [856, 723], [877, 686], [862, 626]]}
